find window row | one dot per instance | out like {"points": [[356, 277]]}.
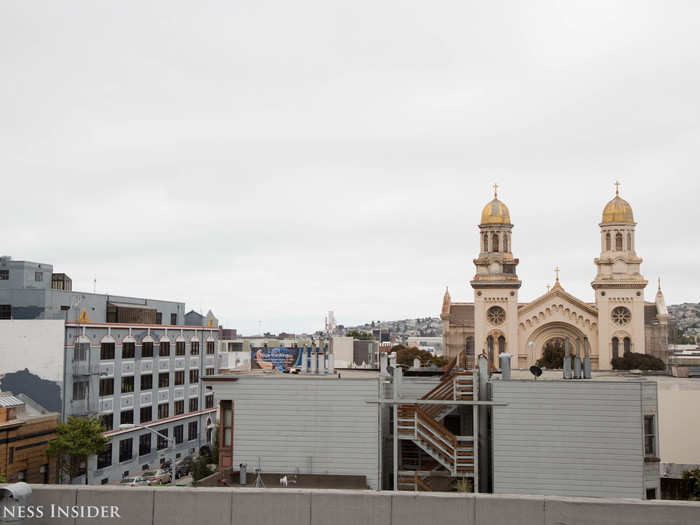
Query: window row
{"points": [[107, 349], [619, 245], [126, 417], [126, 446], [499, 243], [626, 344], [127, 382]]}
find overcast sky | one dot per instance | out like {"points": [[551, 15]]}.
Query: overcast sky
{"points": [[273, 160]]}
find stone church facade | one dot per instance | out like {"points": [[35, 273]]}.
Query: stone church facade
{"points": [[619, 320]]}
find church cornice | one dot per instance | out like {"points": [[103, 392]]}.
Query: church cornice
{"points": [[628, 285]]}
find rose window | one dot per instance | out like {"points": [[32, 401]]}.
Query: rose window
{"points": [[621, 316], [496, 315]]}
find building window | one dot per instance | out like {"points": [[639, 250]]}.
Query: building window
{"points": [[494, 242], [629, 241], [496, 315], [163, 410], [621, 315], [194, 404], [146, 414], [80, 390], [501, 345], [127, 384], [651, 493], [505, 243], [107, 386], [128, 350], [489, 345], [194, 348], [615, 348], [5, 311], [107, 351], [4, 275], [210, 347], [126, 417], [209, 401], [486, 242], [194, 376], [608, 245], [209, 371], [192, 431], [180, 377], [179, 348], [227, 422], [649, 436], [125, 449], [162, 441], [164, 380], [178, 434], [618, 242], [80, 351], [11, 456], [144, 444], [159, 317], [107, 421], [105, 458], [44, 469], [173, 318], [38, 276], [179, 407], [146, 382], [147, 349], [164, 349]]}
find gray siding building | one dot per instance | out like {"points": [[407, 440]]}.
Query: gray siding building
{"points": [[302, 424], [575, 438]]}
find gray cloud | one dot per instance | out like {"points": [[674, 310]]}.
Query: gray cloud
{"points": [[273, 160]]}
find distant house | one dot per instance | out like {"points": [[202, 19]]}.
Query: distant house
{"points": [[193, 318]]}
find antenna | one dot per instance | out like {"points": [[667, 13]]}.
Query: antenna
{"points": [[94, 285]]}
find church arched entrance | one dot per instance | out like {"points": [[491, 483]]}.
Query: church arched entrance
{"points": [[549, 339]]}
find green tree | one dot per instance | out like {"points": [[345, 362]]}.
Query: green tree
{"points": [[75, 441], [405, 356], [552, 355], [635, 361], [692, 477]]}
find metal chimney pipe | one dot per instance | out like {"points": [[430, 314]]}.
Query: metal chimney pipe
{"points": [[505, 365]]}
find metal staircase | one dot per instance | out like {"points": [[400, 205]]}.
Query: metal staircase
{"points": [[421, 423]]}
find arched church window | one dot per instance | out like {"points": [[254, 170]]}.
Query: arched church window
{"points": [[505, 243], [627, 344], [629, 241], [486, 242], [489, 345], [608, 246], [621, 315], [494, 243], [618, 242], [470, 345], [501, 345], [615, 348], [496, 315]]}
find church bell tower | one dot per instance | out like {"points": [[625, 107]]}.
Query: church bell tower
{"points": [[618, 284], [495, 284]]}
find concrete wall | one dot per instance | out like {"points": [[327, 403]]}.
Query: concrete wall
{"points": [[219, 506]]}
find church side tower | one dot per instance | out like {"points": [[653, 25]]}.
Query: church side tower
{"points": [[619, 285], [495, 284]]}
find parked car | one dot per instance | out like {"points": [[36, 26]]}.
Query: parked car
{"points": [[134, 481], [158, 476], [183, 467]]}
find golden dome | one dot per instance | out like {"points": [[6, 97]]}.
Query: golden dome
{"points": [[495, 212], [618, 209]]}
